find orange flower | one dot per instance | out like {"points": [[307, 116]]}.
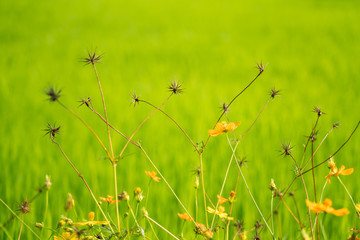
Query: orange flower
{"points": [[334, 171], [326, 207], [222, 200], [232, 196], [223, 127], [185, 217], [153, 175], [91, 222], [109, 199]]}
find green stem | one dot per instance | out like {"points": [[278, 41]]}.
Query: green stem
{"points": [[116, 197], [21, 220], [224, 181], [46, 210], [347, 191], [253, 199], [167, 231], [203, 189]]}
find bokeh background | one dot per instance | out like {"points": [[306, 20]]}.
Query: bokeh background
{"points": [[311, 49]]}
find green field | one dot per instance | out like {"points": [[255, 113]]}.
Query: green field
{"points": [[311, 49]]}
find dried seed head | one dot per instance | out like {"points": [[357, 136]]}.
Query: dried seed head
{"points": [[224, 108], [336, 125], [258, 224], [239, 224], [286, 149], [318, 111], [312, 137], [53, 94], [92, 58], [86, 101], [24, 207], [260, 66], [274, 93], [52, 131], [135, 99], [175, 88]]}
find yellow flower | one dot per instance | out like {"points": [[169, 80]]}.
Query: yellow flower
{"points": [[222, 200], [220, 212], [108, 199], [67, 236], [185, 217], [326, 207], [91, 222], [223, 127], [357, 206], [334, 171], [153, 175]]}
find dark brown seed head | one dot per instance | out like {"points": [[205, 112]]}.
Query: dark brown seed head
{"points": [[53, 94], [175, 88], [92, 58], [274, 93], [318, 111], [135, 99], [286, 149], [52, 131], [24, 207]]}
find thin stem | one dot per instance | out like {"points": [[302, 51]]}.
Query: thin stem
{"points": [[167, 184], [347, 140], [21, 220], [86, 125], [203, 190], [256, 119], [167, 231], [116, 196], [291, 213], [86, 184], [252, 197], [138, 127], [313, 175], [152, 229], [105, 112], [271, 210], [314, 152], [46, 210], [104, 120], [224, 181], [222, 114], [133, 215], [307, 195], [297, 208], [308, 139], [177, 124], [348, 193], [21, 226]]}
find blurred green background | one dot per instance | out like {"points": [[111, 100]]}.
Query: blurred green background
{"points": [[311, 49]]}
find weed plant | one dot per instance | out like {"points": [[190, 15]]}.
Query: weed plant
{"points": [[124, 214]]}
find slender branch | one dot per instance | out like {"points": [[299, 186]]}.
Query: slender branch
{"points": [[167, 231], [167, 184], [86, 184], [203, 189], [104, 120], [222, 114], [132, 135], [22, 222], [307, 195], [86, 125], [177, 124], [308, 139], [105, 112]]}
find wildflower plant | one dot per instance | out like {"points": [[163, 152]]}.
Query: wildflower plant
{"points": [[126, 214]]}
